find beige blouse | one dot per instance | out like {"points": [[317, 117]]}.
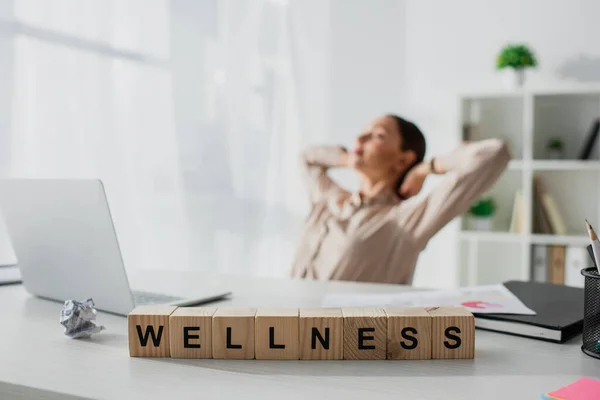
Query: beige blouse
{"points": [[379, 240]]}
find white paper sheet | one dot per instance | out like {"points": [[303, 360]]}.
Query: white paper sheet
{"points": [[477, 299]]}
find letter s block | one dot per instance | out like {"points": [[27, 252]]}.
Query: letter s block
{"points": [[408, 334], [453, 332], [365, 333], [190, 331], [148, 331], [321, 334], [233, 333]]}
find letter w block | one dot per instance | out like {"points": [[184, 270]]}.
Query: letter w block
{"points": [[148, 331], [321, 334]]}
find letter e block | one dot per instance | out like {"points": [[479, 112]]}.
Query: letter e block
{"points": [[276, 334], [148, 331], [233, 333], [321, 334], [453, 332], [365, 333], [190, 332], [408, 334]]}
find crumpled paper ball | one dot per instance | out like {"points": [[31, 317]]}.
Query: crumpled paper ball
{"points": [[77, 319]]}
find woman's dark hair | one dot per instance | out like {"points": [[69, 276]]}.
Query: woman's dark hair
{"points": [[412, 139]]}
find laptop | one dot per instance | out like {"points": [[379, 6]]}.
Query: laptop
{"points": [[66, 246]]}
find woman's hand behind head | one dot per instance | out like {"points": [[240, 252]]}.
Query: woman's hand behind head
{"points": [[413, 182]]}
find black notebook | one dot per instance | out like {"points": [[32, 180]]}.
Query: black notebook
{"points": [[559, 312]]}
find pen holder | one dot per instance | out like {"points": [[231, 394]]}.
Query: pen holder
{"points": [[591, 314]]}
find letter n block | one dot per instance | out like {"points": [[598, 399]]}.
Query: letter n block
{"points": [[148, 331], [453, 332], [321, 334], [233, 333], [276, 333], [190, 332], [365, 333], [408, 334]]}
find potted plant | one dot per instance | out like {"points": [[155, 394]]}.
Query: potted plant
{"points": [[516, 58], [482, 213], [555, 149]]}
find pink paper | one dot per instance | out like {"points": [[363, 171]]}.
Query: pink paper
{"points": [[583, 389]]}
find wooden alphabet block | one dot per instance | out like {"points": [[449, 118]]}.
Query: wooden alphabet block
{"points": [[190, 332], [408, 334], [233, 333], [148, 331], [411, 333], [276, 334], [365, 333], [453, 332], [321, 334]]}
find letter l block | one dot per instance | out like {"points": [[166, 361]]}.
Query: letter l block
{"points": [[276, 333], [233, 333]]}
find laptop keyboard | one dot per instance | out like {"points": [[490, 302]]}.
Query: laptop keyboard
{"points": [[146, 298]]}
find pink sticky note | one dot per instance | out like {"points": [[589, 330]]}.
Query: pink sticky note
{"points": [[583, 389]]}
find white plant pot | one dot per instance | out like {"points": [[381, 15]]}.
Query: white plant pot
{"points": [[482, 224], [514, 78], [555, 154]]}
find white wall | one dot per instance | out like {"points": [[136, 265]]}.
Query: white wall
{"points": [[7, 256], [451, 47], [367, 67], [6, 62]]}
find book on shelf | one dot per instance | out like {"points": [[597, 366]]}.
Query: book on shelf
{"points": [[516, 221], [547, 215], [559, 264], [588, 145]]}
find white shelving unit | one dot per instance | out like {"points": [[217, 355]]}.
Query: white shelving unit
{"points": [[527, 119]]}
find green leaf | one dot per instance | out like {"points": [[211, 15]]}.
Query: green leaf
{"points": [[483, 208], [516, 56]]}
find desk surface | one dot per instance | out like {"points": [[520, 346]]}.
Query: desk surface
{"points": [[39, 361]]}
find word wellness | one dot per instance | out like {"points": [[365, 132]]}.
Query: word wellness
{"points": [[412, 333]]}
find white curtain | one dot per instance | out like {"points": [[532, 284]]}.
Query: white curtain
{"points": [[194, 124], [92, 99], [261, 63]]}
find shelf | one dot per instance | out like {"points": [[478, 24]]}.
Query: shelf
{"points": [[554, 165], [568, 240], [528, 120], [575, 89], [483, 236], [575, 195], [490, 262], [568, 117], [495, 118], [565, 165], [515, 165], [510, 237]]}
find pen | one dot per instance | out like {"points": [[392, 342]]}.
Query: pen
{"points": [[595, 243]]}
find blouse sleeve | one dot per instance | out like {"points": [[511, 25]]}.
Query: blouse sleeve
{"points": [[472, 169], [315, 162]]}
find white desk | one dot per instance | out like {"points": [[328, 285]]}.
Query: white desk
{"points": [[38, 361]]}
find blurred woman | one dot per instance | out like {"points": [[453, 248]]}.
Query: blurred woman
{"points": [[375, 234]]}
